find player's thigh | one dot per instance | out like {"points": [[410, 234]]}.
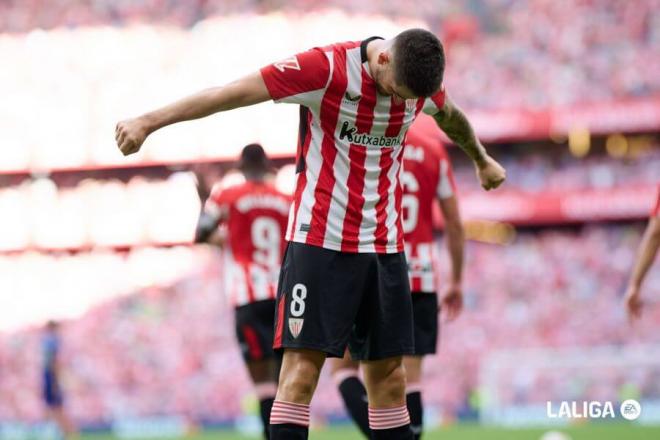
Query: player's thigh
{"points": [[262, 370]]}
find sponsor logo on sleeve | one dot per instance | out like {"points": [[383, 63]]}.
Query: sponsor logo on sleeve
{"points": [[289, 63]]}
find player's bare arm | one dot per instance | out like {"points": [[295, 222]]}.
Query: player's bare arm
{"points": [[207, 230], [455, 124], [452, 300], [206, 226], [648, 249], [130, 134]]}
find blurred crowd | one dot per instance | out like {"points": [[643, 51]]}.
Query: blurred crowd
{"points": [[502, 53], [541, 53], [169, 348], [536, 172], [98, 213], [516, 57], [95, 212]]}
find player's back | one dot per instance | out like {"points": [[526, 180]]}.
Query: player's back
{"points": [[256, 219], [427, 176]]}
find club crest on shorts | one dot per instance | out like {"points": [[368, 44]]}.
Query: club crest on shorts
{"points": [[295, 326]]}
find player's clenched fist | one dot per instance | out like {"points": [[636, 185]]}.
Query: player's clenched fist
{"points": [[491, 174], [130, 135]]}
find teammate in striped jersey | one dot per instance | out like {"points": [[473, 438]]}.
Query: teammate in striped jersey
{"points": [[344, 277], [648, 249], [255, 216], [427, 176]]}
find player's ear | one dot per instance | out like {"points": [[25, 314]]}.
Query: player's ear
{"points": [[384, 57]]}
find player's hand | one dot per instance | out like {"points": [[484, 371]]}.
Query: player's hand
{"points": [[491, 174], [634, 303], [130, 135], [452, 301]]}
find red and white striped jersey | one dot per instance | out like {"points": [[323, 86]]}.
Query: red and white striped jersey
{"points": [[255, 216], [348, 195], [656, 210], [427, 175]]}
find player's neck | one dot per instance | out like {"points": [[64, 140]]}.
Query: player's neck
{"points": [[374, 47], [255, 179]]}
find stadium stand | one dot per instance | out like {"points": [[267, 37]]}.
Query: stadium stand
{"points": [[604, 50], [168, 348], [145, 340], [164, 210]]}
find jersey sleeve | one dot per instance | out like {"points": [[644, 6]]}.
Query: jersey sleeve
{"points": [[291, 80], [446, 183], [434, 104], [217, 205]]}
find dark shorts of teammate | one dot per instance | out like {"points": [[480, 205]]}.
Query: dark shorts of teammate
{"points": [[425, 314], [51, 392], [254, 329], [327, 300]]}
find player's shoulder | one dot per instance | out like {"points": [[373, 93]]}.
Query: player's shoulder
{"points": [[267, 188], [341, 46], [223, 192], [275, 192]]}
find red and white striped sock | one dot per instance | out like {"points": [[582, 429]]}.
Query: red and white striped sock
{"points": [[388, 418], [288, 412]]}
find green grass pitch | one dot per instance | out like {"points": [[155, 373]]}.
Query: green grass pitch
{"points": [[619, 431]]}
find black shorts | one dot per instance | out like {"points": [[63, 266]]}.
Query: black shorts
{"points": [[425, 314], [327, 300], [254, 329]]}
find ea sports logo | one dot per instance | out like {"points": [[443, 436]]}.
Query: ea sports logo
{"points": [[631, 409]]}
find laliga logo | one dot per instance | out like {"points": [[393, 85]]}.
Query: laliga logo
{"points": [[629, 410]]}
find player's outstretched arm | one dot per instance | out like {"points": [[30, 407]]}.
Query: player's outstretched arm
{"points": [[455, 124], [648, 249], [131, 133], [452, 300]]}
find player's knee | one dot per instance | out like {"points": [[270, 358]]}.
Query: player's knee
{"points": [[298, 383], [389, 387], [395, 384]]}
